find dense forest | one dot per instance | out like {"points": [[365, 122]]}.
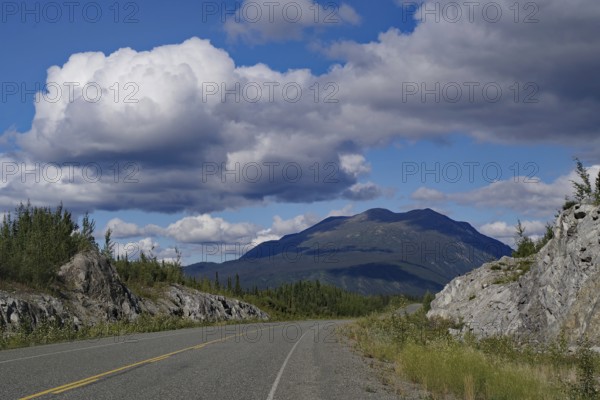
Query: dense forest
{"points": [[36, 241], [310, 299]]}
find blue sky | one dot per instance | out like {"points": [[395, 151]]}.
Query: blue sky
{"points": [[471, 112]]}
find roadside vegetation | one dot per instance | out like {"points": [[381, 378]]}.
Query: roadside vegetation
{"points": [[53, 332], [36, 241], [424, 352]]}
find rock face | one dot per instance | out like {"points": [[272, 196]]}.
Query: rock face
{"points": [[32, 309], [90, 291], [95, 290], [197, 306], [535, 299]]}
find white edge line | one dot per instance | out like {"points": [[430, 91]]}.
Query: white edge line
{"points": [[276, 383]]}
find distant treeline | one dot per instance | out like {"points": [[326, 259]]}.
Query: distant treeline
{"points": [[299, 299], [313, 299]]}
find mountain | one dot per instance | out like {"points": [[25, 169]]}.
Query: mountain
{"points": [[375, 252], [535, 299]]}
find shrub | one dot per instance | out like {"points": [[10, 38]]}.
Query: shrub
{"points": [[427, 299], [585, 388]]}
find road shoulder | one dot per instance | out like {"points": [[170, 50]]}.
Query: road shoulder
{"points": [[387, 381]]}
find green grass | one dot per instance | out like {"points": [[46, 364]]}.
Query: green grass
{"points": [[469, 373], [513, 274], [505, 279], [423, 352], [50, 332], [154, 292]]}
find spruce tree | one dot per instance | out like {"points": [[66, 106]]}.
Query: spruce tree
{"points": [[109, 246], [583, 189]]}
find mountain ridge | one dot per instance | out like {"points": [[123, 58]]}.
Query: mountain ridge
{"points": [[374, 252]]}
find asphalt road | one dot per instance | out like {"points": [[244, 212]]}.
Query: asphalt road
{"points": [[302, 360]]}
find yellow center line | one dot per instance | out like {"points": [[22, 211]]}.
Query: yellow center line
{"points": [[92, 379], [74, 386], [160, 358]]}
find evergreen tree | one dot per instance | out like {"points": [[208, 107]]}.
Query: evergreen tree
{"points": [[108, 248], [238, 288], [525, 246], [583, 189], [86, 236]]}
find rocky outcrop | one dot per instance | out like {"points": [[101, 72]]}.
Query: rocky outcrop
{"points": [[31, 309], [191, 304], [535, 299], [89, 291], [95, 291]]}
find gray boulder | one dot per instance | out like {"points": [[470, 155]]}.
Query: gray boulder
{"points": [[95, 291], [17, 309]]}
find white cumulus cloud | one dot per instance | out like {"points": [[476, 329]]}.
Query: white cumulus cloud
{"points": [[164, 116]]}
